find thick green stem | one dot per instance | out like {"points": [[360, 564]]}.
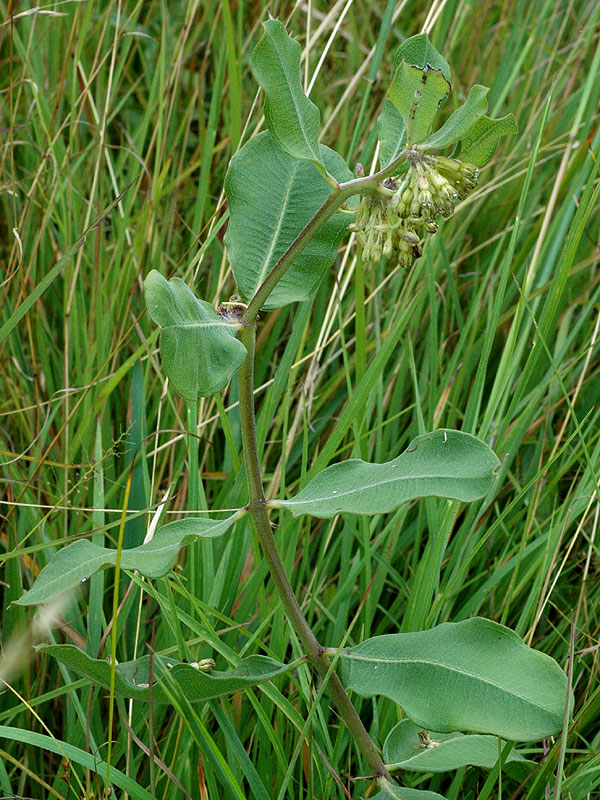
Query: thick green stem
{"points": [[260, 517]]}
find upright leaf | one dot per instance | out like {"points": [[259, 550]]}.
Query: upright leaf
{"points": [[440, 464], [199, 350], [474, 675], [418, 52], [293, 120], [404, 749], [418, 94], [132, 677], [76, 562], [271, 198], [392, 133], [479, 145], [461, 122]]}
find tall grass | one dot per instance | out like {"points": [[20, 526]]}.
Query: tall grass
{"points": [[495, 331]]}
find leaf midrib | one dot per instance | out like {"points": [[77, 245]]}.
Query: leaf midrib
{"points": [[345, 493], [460, 671]]}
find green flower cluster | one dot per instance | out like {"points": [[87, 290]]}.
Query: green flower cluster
{"points": [[390, 223]]}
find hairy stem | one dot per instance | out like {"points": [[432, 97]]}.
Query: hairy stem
{"points": [[260, 517]]}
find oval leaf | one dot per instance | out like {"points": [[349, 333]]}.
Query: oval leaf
{"points": [[418, 94], [271, 198], [479, 145], [474, 675], [441, 464], [76, 562], [418, 52], [199, 350], [293, 119], [403, 749], [132, 677], [461, 122]]}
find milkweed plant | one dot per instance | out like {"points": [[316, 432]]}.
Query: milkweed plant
{"points": [[468, 690]]}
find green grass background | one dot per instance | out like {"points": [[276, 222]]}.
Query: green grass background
{"points": [[494, 331]]}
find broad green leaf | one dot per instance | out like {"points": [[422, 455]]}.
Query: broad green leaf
{"points": [[199, 350], [404, 793], [474, 675], [76, 562], [271, 198], [441, 464], [418, 94], [479, 145], [418, 52], [403, 750], [293, 119], [461, 122], [391, 132], [132, 677]]}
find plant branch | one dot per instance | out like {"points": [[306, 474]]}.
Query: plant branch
{"points": [[260, 517]]}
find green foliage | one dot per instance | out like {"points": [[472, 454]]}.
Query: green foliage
{"points": [[402, 793], [420, 85], [391, 133], [418, 94], [271, 198], [461, 122], [474, 675], [441, 464], [169, 675], [75, 563], [493, 331], [293, 120], [408, 748], [479, 144], [417, 51], [199, 350]]}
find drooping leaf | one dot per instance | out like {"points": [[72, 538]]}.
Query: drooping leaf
{"points": [[475, 676], [292, 119], [132, 677], [479, 145], [392, 133], [271, 198], [444, 463], [199, 350], [390, 790], [418, 94], [461, 122], [403, 749], [418, 52], [76, 562]]}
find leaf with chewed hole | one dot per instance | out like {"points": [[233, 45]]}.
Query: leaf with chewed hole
{"points": [[418, 94], [444, 463], [418, 52]]}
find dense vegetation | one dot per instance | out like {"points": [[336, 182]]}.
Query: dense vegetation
{"points": [[493, 331]]}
